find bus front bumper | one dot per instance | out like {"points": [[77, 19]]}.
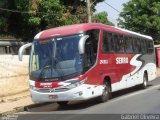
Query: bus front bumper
{"points": [[81, 92]]}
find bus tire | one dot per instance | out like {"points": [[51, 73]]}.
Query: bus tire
{"points": [[106, 92], [145, 81], [63, 103]]}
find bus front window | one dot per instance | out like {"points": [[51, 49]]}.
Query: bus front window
{"points": [[55, 59]]}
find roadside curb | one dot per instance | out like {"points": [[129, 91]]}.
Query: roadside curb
{"points": [[24, 108], [19, 109]]}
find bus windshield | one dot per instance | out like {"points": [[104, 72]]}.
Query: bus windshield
{"points": [[55, 59]]}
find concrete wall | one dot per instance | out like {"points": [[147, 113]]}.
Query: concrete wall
{"points": [[13, 74]]}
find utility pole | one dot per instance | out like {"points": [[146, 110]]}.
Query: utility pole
{"points": [[89, 11]]}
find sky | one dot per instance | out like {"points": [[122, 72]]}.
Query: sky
{"points": [[112, 14]]}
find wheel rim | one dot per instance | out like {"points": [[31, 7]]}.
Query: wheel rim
{"points": [[105, 93], [145, 83]]}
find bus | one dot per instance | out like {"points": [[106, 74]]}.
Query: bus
{"points": [[89, 60]]}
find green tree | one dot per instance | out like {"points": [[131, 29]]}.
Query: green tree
{"points": [[28, 17], [3, 17], [75, 5], [16, 24], [35, 15], [142, 16], [41, 14], [76, 10], [102, 18]]}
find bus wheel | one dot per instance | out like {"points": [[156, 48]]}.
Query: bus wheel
{"points": [[106, 93], [145, 81], [62, 103]]}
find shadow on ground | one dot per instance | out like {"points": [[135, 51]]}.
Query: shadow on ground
{"points": [[79, 105]]}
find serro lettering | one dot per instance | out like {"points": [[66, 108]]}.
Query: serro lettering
{"points": [[121, 60]]}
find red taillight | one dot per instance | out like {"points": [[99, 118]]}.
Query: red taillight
{"points": [[47, 84]]}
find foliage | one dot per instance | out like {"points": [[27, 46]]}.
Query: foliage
{"points": [[142, 16], [75, 5], [79, 16], [41, 14], [76, 10], [102, 18], [3, 17], [28, 17]]}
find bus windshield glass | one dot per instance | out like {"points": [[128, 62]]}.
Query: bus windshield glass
{"points": [[55, 59]]}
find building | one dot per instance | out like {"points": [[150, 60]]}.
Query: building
{"points": [[10, 46]]}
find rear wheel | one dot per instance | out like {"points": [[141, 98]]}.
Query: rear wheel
{"points": [[145, 81], [63, 103], [106, 94]]}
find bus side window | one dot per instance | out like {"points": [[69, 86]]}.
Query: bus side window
{"points": [[150, 47], [129, 45], [144, 46], [91, 48], [111, 43], [94, 38], [121, 44], [105, 43], [139, 45], [89, 54], [135, 45], [116, 43]]}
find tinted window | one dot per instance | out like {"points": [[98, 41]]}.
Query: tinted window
{"points": [[91, 48], [138, 40], [150, 47], [93, 38], [121, 44], [112, 42], [135, 45], [144, 46], [105, 43], [129, 46], [116, 43]]}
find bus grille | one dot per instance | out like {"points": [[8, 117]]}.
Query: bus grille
{"points": [[49, 90]]}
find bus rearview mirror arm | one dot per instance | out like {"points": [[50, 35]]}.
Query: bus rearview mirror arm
{"points": [[21, 50], [82, 42]]}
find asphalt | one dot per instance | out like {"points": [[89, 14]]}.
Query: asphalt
{"points": [[134, 103], [23, 103]]}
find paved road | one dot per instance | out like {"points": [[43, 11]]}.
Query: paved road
{"points": [[132, 101]]}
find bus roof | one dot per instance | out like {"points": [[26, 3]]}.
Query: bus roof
{"points": [[74, 29], [135, 33], [80, 28]]}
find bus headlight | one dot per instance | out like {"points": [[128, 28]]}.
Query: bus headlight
{"points": [[75, 83], [33, 88]]}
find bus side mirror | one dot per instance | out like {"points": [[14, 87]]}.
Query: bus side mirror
{"points": [[21, 50], [82, 42]]}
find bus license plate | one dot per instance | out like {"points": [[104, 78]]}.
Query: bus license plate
{"points": [[52, 96]]}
